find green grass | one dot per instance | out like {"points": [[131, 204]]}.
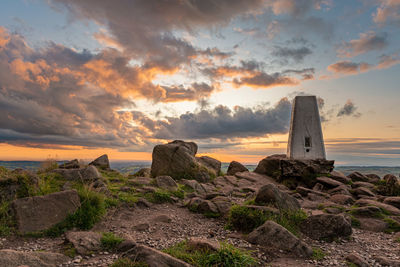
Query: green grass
{"points": [[318, 254], [355, 222], [110, 241], [350, 264], [393, 226], [397, 240], [159, 196], [90, 212], [6, 220], [246, 219], [127, 198], [49, 183], [227, 256], [125, 262]]}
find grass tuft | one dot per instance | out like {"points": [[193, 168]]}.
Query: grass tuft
{"points": [[109, 241], [246, 219], [227, 255], [318, 254]]}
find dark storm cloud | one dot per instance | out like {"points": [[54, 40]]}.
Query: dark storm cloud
{"points": [[348, 109], [223, 122], [295, 54]]}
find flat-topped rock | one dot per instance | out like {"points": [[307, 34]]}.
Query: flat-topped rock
{"points": [[39, 213]]}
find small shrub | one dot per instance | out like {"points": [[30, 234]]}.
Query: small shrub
{"points": [[125, 262], [110, 241], [318, 254], [70, 251], [398, 240], [245, 219]]}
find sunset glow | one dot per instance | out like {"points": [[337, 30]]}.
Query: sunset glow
{"points": [[81, 78]]}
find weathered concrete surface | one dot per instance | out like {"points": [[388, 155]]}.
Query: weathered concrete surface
{"points": [[305, 127]]}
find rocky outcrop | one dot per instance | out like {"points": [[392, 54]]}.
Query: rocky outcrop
{"points": [[88, 174], [271, 234], [299, 171], [39, 213], [326, 226], [235, 167], [73, 164], [340, 177], [369, 202], [101, 162], [84, 242], [394, 201], [270, 194], [13, 258], [356, 176], [177, 159]]}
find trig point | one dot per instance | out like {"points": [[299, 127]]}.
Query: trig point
{"points": [[305, 135]]}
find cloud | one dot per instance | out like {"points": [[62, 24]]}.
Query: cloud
{"points": [[348, 109], [222, 122], [296, 7], [145, 29], [367, 42], [348, 67], [388, 11], [296, 54], [352, 68]]}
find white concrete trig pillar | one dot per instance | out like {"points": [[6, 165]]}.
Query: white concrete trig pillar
{"points": [[305, 135]]}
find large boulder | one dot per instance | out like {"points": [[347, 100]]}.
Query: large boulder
{"points": [[153, 257], [270, 194], [176, 159], [101, 162], [271, 234], [235, 167], [13, 258], [271, 165], [339, 176], [84, 242], [326, 226], [34, 214]]}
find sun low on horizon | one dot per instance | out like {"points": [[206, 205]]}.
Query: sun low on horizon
{"points": [[82, 78]]}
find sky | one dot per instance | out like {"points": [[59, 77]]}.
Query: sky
{"points": [[80, 78]]}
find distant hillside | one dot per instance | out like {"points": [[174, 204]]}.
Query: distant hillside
{"points": [[133, 166]]}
